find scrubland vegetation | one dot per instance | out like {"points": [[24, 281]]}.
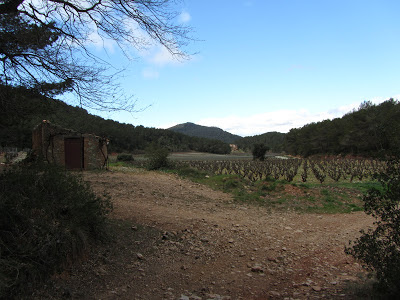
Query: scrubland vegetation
{"points": [[48, 219]]}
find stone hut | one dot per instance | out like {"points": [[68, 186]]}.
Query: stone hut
{"points": [[69, 148]]}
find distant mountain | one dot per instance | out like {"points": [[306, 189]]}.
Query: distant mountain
{"points": [[215, 133]]}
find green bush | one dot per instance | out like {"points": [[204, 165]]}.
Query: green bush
{"points": [[125, 157], [157, 157], [379, 248], [47, 218]]}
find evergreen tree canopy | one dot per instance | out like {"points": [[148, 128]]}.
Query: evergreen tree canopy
{"points": [[259, 151], [372, 130]]}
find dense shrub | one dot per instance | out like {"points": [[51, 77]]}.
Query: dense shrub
{"points": [[157, 157], [379, 248], [124, 157], [47, 218]]}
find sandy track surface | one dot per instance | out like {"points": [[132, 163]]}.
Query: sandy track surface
{"points": [[180, 240]]}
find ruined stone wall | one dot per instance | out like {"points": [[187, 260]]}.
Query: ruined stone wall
{"points": [[54, 150], [95, 152], [37, 140], [48, 141]]}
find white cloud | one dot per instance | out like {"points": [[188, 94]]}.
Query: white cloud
{"points": [[149, 73], [185, 17], [280, 120], [102, 43], [160, 56], [150, 50], [377, 100], [340, 111]]}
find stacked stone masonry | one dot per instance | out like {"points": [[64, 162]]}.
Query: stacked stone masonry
{"points": [[69, 148]]}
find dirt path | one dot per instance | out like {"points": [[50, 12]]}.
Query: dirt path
{"points": [[181, 240]]}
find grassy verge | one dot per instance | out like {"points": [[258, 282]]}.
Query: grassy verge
{"points": [[332, 197]]}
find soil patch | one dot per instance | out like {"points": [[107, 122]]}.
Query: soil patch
{"points": [[175, 239]]}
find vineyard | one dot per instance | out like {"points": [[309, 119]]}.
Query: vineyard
{"points": [[323, 185], [302, 170]]}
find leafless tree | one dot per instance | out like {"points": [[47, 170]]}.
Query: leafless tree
{"points": [[45, 44]]}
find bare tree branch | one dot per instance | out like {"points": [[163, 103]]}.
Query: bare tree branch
{"points": [[47, 42]]}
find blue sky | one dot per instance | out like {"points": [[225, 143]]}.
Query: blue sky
{"points": [[266, 65]]}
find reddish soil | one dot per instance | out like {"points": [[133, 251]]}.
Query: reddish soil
{"points": [[175, 239]]}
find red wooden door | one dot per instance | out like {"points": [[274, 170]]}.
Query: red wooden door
{"points": [[73, 153]]}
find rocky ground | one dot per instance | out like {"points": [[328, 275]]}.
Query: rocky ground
{"points": [[175, 239]]}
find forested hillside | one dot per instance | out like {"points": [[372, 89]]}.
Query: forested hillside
{"points": [[274, 140], [371, 130], [216, 133], [20, 113]]}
